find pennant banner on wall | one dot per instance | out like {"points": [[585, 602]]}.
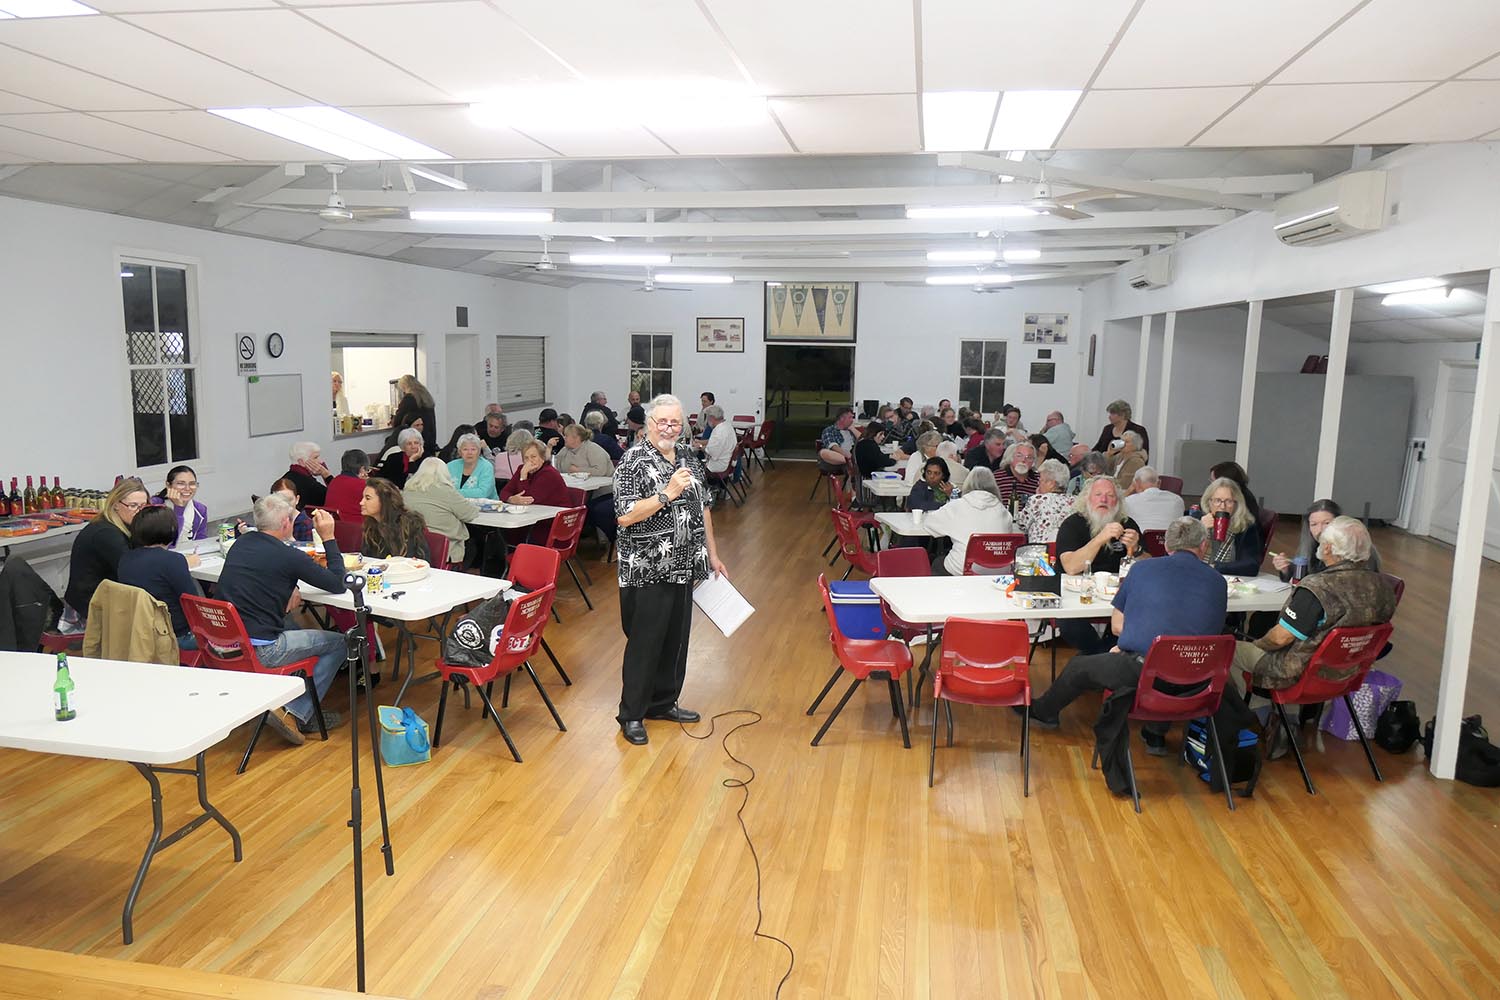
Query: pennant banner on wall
{"points": [[820, 305]]}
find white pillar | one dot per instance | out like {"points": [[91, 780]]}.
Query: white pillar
{"points": [[1138, 404], [1333, 391], [1469, 545], [1159, 454], [1247, 384]]}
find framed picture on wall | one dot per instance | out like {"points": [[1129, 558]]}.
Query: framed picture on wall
{"points": [[1043, 372], [721, 334], [1045, 328], [811, 310]]}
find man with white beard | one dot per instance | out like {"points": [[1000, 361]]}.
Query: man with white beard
{"points": [[1094, 540]]}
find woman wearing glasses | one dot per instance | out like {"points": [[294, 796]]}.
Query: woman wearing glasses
{"points": [[1234, 551], [192, 516], [97, 550]]}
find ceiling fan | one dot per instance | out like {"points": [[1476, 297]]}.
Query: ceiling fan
{"points": [[1042, 200], [650, 285], [335, 209]]}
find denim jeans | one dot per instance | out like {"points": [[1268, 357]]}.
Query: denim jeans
{"points": [[299, 644]]}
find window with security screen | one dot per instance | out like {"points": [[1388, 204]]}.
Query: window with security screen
{"points": [[163, 366], [981, 374], [651, 364]]}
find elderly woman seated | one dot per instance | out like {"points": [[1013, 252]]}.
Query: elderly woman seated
{"points": [[1045, 512], [927, 446], [582, 455], [309, 473], [977, 511], [399, 466], [346, 488], [1238, 553], [508, 462], [594, 420], [1128, 460], [430, 492], [473, 474]]}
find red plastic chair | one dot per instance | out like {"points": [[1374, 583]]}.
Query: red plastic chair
{"points": [[1169, 484], [1336, 670], [864, 659], [983, 663], [1196, 661], [519, 638], [991, 553], [61, 642], [1397, 584], [863, 519], [348, 535], [760, 445], [567, 528], [847, 533], [826, 474], [437, 548], [223, 644], [907, 561], [1266, 521], [1154, 541], [533, 567]]}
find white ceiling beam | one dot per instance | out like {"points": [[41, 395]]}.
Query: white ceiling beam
{"points": [[6, 173], [1042, 241], [267, 183], [1265, 184], [679, 259], [1154, 189], [637, 275], [1172, 220]]}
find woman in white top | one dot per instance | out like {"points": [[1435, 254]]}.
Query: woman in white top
{"points": [[1049, 507], [977, 511], [927, 446]]}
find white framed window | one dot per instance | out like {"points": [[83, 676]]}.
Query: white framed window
{"points": [[161, 356], [981, 374], [520, 372], [651, 364]]}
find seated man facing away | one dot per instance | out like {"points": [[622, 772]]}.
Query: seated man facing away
{"points": [[836, 443], [260, 578], [1094, 540], [1176, 595], [1152, 507], [1059, 434], [1347, 593], [718, 446]]}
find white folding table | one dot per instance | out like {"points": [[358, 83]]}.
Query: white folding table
{"points": [[518, 515], [146, 714], [588, 484]]}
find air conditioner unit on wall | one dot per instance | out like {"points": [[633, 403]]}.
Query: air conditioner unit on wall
{"points": [[1154, 271], [1334, 210]]}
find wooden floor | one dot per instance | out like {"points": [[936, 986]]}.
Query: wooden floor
{"points": [[597, 869]]}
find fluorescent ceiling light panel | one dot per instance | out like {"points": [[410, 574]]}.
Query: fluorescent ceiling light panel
{"points": [[968, 211], [960, 256], [1013, 256], [516, 215], [43, 8], [1410, 285], [703, 104], [1418, 297], [1031, 119], [989, 278], [955, 120], [694, 278], [332, 131], [620, 258], [443, 179]]}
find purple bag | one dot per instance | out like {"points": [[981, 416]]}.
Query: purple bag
{"points": [[1378, 691]]}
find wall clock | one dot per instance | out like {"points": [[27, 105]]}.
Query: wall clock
{"points": [[275, 345]]}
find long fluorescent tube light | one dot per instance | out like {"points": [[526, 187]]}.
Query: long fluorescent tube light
{"points": [[968, 211], [1032, 119], [444, 179], [620, 258], [1013, 256], [332, 131], [960, 256], [955, 120], [693, 278], [43, 8], [1409, 285], [1417, 297], [991, 278], [514, 215]]}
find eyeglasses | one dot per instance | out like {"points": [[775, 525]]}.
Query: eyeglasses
{"points": [[1228, 502], [131, 506], [666, 423], [185, 486]]}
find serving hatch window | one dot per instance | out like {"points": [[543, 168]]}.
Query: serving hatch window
{"points": [[364, 369]]}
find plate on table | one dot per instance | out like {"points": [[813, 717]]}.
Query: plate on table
{"points": [[1240, 588], [400, 569]]}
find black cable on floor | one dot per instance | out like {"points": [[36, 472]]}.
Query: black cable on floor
{"points": [[740, 815]]}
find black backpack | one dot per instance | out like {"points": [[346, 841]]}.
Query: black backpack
{"points": [[469, 642], [1478, 759], [1399, 727], [1243, 751]]}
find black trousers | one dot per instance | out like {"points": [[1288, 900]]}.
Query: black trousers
{"points": [[1080, 634], [1087, 673], [656, 619]]}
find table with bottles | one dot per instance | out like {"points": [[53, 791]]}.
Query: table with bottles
{"points": [[20, 509]]}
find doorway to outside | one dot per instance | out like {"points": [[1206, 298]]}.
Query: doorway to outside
{"points": [[805, 386]]}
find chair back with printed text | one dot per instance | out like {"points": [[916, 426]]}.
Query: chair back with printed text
{"points": [[1199, 662], [991, 553]]}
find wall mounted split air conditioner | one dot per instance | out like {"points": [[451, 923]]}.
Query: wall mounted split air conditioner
{"points": [[1334, 210], [1154, 271]]}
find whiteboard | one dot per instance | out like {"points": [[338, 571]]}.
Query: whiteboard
{"points": [[275, 403]]}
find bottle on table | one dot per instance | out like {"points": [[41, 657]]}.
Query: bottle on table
{"points": [[4, 500], [62, 691], [28, 499], [17, 504], [59, 499]]}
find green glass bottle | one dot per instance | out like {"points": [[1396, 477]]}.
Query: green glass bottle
{"points": [[62, 691]]}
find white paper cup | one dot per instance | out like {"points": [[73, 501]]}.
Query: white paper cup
{"points": [[1101, 582]]}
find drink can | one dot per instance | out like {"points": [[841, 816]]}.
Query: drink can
{"points": [[375, 579]]}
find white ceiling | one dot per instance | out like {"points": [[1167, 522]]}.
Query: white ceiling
{"points": [[1461, 318]]}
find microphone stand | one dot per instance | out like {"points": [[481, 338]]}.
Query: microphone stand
{"points": [[358, 662]]}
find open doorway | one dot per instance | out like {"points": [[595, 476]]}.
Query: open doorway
{"points": [[805, 385]]}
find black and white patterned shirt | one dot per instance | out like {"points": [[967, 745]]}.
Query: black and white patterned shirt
{"points": [[670, 546]]}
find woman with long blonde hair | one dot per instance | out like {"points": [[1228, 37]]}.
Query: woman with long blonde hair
{"points": [[1238, 554], [98, 548]]}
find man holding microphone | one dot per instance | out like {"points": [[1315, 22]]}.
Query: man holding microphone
{"points": [[666, 545]]}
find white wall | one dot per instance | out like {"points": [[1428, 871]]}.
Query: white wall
{"points": [[1420, 362], [65, 345], [907, 343]]}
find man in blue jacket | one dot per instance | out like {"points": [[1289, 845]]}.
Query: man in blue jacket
{"points": [[260, 578]]}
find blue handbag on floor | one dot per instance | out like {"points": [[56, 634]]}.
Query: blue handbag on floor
{"points": [[403, 737]]}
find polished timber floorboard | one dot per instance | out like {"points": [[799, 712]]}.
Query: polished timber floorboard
{"points": [[596, 869]]}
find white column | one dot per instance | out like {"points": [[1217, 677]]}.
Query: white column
{"points": [[1469, 545], [1159, 454], [1333, 391], [1247, 384], [1138, 404]]}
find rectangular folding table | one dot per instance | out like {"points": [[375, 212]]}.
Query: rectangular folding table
{"points": [[146, 714]]}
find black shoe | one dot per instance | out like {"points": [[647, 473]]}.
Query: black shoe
{"points": [[331, 720], [1157, 747], [675, 714], [634, 732], [1036, 720]]}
